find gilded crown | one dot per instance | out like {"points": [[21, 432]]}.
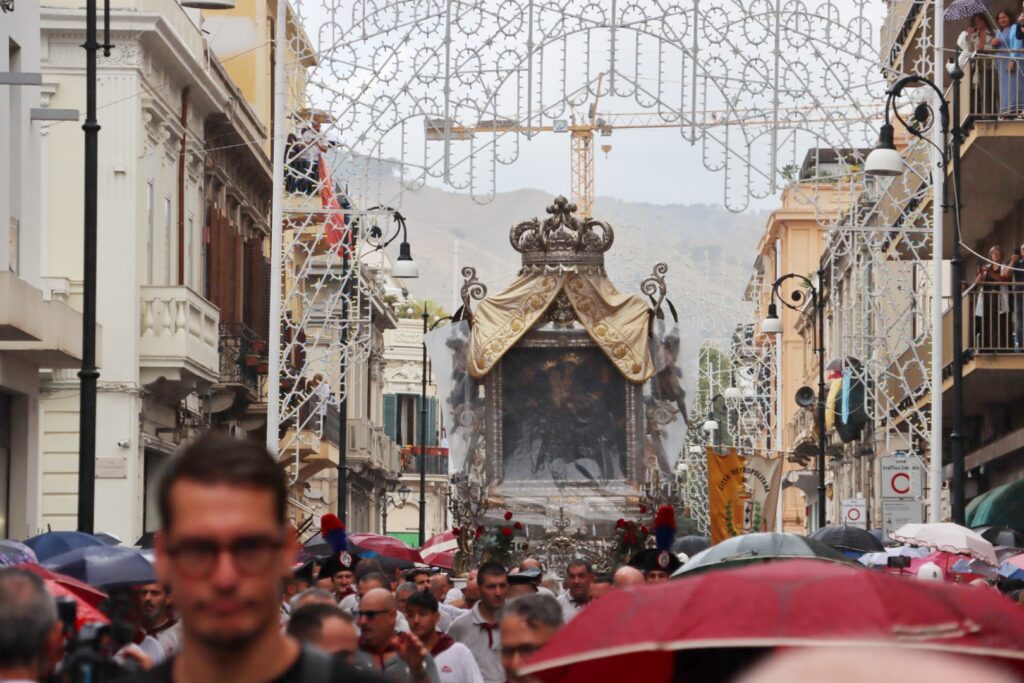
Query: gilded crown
{"points": [[562, 239]]}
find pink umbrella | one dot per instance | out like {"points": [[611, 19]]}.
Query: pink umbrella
{"points": [[385, 546], [439, 551]]}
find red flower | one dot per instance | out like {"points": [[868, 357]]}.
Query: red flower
{"points": [[506, 531], [629, 538], [644, 530], [643, 509], [620, 524], [508, 514], [478, 532], [457, 531], [518, 525]]}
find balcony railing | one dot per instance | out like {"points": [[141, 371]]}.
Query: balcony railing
{"points": [[243, 357], [994, 317], [436, 460], [993, 86], [178, 332]]}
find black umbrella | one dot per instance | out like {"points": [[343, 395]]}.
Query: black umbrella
{"points": [[691, 544], [848, 538], [316, 547], [104, 566], [759, 547], [1002, 535], [146, 540]]}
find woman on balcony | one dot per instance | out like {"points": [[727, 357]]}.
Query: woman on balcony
{"points": [[1009, 65], [979, 37], [992, 305]]}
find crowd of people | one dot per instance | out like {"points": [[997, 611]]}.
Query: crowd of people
{"points": [[999, 301]]}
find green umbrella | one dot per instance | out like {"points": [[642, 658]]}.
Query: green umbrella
{"points": [[1002, 506], [760, 547]]}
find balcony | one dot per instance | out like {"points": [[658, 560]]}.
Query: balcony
{"points": [[369, 446], [41, 332], [178, 340], [243, 360], [436, 462]]}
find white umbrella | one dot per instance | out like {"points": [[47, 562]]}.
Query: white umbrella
{"points": [[882, 558], [950, 538]]}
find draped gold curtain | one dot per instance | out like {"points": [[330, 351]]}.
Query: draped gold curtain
{"points": [[618, 323]]}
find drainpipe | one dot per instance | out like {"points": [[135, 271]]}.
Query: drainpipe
{"points": [[181, 186]]}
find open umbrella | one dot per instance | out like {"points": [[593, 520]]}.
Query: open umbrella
{"points": [[636, 634], [949, 537], [369, 545], [85, 613], [760, 547], [90, 594], [439, 550], [54, 543], [1002, 506], [964, 9], [1002, 535], [317, 548], [15, 552], [848, 538], [691, 544], [105, 566], [882, 558], [146, 540]]}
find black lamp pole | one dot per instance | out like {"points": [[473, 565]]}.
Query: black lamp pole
{"points": [[89, 374], [423, 434], [950, 154], [819, 309]]}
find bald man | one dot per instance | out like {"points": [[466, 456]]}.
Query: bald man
{"points": [[627, 576], [401, 658], [878, 665]]}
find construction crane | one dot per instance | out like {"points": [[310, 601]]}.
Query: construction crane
{"points": [[581, 133]]}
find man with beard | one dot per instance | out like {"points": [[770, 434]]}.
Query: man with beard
{"points": [[225, 551], [400, 657], [155, 608], [455, 662]]}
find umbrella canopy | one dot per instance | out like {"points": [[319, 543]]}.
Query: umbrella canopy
{"points": [[316, 547], [90, 594], [108, 539], [105, 566], [146, 540], [634, 633], [850, 538], [949, 537], [368, 545], [439, 551], [53, 543], [1012, 568], [15, 552], [881, 559], [760, 547], [691, 544], [85, 613], [1002, 536], [1002, 506], [964, 9]]}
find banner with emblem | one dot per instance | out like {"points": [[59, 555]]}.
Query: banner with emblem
{"points": [[743, 492]]}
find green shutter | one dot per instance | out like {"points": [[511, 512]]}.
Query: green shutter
{"points": [[432, 421], [390, 415]]}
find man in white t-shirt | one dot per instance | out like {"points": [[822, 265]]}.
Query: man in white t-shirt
{"points": [[455, 663]]}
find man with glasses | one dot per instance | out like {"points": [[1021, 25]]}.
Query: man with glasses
{"points": [[401, 657], [225, 550], [527, 624]]}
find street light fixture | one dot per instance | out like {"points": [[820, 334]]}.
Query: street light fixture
{"points": [[385, 501], [773, 325], [882, 162], [405, 267], [711, 424]]}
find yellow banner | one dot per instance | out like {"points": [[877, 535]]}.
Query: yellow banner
{"points": [[743, 492]]}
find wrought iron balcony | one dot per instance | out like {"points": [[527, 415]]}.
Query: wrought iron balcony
{"points": [[243, 358]]}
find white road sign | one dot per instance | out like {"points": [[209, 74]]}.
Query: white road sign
{"points": [[896, 513], [854, 512], [901, 477]]}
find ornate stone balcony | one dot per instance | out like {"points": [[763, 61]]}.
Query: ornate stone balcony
{"points": [[178, 337]]}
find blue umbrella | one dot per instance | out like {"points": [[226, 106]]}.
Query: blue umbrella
{"points": [[13, 552], [104, 566], [53, 543]]}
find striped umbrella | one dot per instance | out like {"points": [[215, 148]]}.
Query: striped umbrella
{"points": [[439, 551]]}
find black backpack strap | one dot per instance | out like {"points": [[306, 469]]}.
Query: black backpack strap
{"points": [[316, 665]]}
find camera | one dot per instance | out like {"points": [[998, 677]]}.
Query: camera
{"points": [[89, 651], [898, 562]]}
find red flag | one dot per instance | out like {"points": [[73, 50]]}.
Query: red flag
{"points": [[334, 226]]}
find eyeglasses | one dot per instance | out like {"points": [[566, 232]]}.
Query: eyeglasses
{"points": [[251, 555], [369, 614], [524, 650]]}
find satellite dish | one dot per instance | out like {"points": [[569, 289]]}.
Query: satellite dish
{"points": [[805, 397]]}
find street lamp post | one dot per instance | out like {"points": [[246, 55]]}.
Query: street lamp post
{"points": [[385, 501], [885, 160], [423, 423], [773, 325]]}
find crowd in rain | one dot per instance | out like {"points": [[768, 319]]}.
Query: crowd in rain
{"points": [[226, 593]]}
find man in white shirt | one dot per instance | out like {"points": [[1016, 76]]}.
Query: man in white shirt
{"points": [[579, 575], [478, 628], [455, 663]]}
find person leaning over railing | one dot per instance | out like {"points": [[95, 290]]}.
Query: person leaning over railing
{"points": [[978, 37], [1009, 44]]}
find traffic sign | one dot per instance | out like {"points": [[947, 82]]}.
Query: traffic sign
{"points": [[896, 513], [854, 512], [901, 477]]}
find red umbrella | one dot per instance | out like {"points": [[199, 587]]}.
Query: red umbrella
{"points": [[385, 546], [86, 613], [439, 551], [634, 633], [88, 594]]}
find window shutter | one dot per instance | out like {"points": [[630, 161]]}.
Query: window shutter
{"points": [[390, 416], [432, 421]]}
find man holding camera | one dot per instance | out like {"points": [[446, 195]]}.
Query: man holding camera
{"points": [[31, 642], [225, 550]]}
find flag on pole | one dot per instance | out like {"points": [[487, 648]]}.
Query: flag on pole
{"points": [[335, 226]]}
